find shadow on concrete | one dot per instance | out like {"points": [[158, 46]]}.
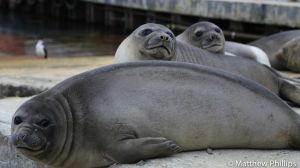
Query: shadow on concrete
{"points": [[7, 90]]}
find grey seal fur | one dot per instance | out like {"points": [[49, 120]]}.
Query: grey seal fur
{"points": [[173, 50], [125, 113], [210, 37], [283, 49]]}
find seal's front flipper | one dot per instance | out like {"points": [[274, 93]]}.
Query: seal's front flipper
{"points": [[134, 150], [290, 91]]}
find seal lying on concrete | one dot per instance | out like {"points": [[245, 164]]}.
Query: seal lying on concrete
{"points": [[157, 42], [210, 37], [124, 113], [283, 49]]}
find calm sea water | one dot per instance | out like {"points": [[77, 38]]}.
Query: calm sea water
{"points": [[19, 34]]}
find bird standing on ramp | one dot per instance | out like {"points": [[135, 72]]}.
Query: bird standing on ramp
{"points": [[40, 49]]}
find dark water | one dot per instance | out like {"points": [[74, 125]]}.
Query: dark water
{"points": [[19, 34]]}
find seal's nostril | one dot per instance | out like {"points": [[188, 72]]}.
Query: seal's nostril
{"points": [[162, 37], [22, 137], [214, 36], [167, 38]]}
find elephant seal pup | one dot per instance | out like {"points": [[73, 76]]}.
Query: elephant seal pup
{"points": [[168, 48], [154, 48], [210, 37], [125, 113], [283, 49]]}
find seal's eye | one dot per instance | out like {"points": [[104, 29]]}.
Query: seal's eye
{"points": [[170, 34], [18, 120], [199, 33], [44, 123], [145, 32], [217, 30]]}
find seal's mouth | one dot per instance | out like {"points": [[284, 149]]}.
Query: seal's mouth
{"points": [[215, 45], [31, 151], [24, 148], [29, 142], [23, 145], [159, 47]]}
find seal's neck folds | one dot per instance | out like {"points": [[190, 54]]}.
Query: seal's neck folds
{"points": [[65, 133]]}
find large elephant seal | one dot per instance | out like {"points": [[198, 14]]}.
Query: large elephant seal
{"points": [[210, 37], [124, 113], [283, 49], [171, 49]]}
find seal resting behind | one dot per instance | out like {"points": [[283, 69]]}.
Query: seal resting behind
{"points": [[283, 49], [156, 42], [210, 37], [125, 113]]}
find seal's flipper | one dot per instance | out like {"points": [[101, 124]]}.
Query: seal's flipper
{"points": [[134, 150], [290, 91]]}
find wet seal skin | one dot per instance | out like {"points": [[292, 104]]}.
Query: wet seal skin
{"points": [[284, 87], [283, 49], [124, 113], [210, 37]]}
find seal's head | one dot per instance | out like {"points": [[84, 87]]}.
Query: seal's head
{"points": [[205, 35], [148, 42], [288, 57], [38, 130]]}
